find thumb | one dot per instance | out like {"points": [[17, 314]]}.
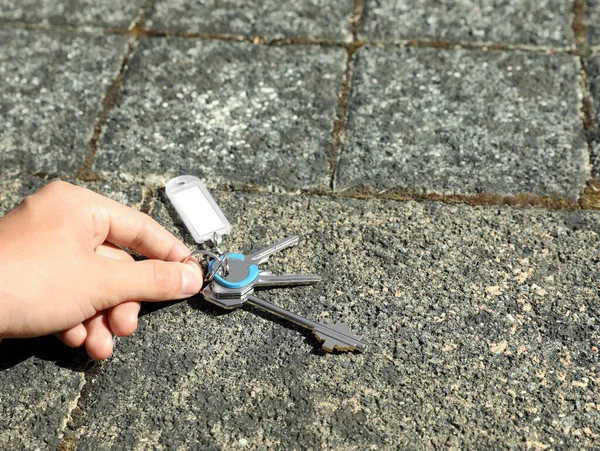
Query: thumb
{"points": [[152, 280]]}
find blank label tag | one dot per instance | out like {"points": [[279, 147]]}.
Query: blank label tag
{"points": [[198, 210]]}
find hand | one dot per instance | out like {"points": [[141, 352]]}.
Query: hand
{"points": [[62, 270]]}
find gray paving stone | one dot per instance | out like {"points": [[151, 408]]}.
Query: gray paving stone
{"points": [[14, 187], [465, 122], [545, 23], [116, 13], [52, 86], [276, 19], [36, 395], [482, 324], [592, 21], [230, 112], [593, 74]]}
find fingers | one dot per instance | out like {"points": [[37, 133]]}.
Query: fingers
{"points": [[109, 250], [127, 227], [99, 342], [150, 280], [74, 336], [123, 319]]}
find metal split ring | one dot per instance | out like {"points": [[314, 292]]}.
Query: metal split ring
{"points": [[222, 259]]}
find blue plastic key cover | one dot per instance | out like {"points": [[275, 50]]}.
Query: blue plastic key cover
{"points": [[250, 278]]}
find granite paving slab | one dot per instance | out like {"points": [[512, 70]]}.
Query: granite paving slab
{"points": [[37, 393], [593, 75], [52, 86], [228, 112], [592, 21], [482, 325], [544, 23], [115, 13], [456, 121], [325, 19]]}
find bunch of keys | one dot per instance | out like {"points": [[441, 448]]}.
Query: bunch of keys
{"points": [[232, 278]]}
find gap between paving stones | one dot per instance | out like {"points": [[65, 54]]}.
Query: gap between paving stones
{"points": [[343, 108], [341, 118], [76, 417], [108, 102], [112, 94], [141, 32], [356, 18], [591, 195], [589, 200]]}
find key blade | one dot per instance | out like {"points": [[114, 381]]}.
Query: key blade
{"points": [[266, 280], [339, 337], [263, 255]]}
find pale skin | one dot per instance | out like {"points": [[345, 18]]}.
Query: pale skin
{"points": [[63, 269]]}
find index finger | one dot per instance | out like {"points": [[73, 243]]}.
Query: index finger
{"points": [[124, 226]]}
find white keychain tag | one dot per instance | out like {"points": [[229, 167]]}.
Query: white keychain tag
{"points": [[198, 210]]}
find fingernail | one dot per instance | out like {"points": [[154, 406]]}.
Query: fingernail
{"points": [[192, 279], [192, 261], [194, 264]]}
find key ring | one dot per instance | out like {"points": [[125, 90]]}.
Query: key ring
{"points": [[221, 259]]}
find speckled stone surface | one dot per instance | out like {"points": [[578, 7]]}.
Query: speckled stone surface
{"points": [[14, 187], [544, 23], [114, 13], [453, 121], [482, 325], [592, 21], [593, 75], [51, 89], [37, 393], [228, 112], [326, 19]]}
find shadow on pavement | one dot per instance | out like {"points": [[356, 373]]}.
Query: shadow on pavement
{"points": [[49, 348], [15, 351]]}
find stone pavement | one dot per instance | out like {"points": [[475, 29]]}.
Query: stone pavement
{"points": [[441, 164]]}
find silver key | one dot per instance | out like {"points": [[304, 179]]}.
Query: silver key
{"points": [[263, 255], [237, 288], [244, 275], [267, 279], [336, 336]]}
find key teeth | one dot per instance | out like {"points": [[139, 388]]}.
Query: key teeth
{"points": [[329, 344]]}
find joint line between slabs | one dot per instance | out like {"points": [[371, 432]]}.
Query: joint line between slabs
{"points": [[112, 94], [591, 197], [111, 97], [343, 106], [140, 31]]}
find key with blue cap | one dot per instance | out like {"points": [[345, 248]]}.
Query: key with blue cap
{"points": [[235, 287], [243, 275]]}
